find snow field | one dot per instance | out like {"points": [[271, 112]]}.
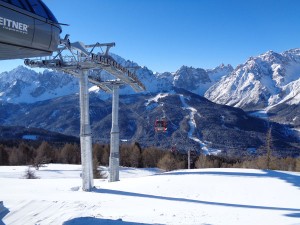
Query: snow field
{"points": [[148, 196]]}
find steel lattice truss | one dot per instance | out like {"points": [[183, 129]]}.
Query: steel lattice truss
{"points": [[72, 58]]}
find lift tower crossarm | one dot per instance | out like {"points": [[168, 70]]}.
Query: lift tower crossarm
{"points": [[108, 46], [82, 58]]}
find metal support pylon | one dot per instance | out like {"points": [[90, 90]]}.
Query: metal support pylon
{"points": [[77, 59], [85, 134], [114, 160]]}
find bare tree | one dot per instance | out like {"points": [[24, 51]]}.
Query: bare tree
{"points": [[101, 152], [70, 153], [27, 153], [151, 156], [297, 165], [168, 162], [135, 156], [44, 154], [3, 156], [16, 157]]}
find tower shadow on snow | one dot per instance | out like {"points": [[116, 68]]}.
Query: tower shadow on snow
{"points": [[281, 175], [99, 221], [3, 212], [287, 177]]}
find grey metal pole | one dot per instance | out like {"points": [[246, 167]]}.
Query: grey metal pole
{"points": [[114, 137], [189, 159], [85, 134]]}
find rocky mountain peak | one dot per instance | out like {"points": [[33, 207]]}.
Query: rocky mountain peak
{"points": [[23, 85], [260, 82]]}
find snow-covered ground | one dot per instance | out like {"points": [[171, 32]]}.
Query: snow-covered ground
{"points": [[297, 132], [148, 196], [263, 114]]}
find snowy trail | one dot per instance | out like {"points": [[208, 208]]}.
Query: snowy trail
{"points": [[206, 150], [192, 122], [262, 114], [157, 97]]}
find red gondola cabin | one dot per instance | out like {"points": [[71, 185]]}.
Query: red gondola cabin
{"points": [[161, 125]]}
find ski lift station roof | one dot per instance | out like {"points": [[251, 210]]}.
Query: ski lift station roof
{"points": [[27, 29]]}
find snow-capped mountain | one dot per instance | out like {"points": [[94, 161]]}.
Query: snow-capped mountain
{"points": [[198, 80], [261, 83], [23, 85], [203, 122]]}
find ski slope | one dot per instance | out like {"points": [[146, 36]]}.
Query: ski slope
{"points": [[192, 123], [149, 196]]}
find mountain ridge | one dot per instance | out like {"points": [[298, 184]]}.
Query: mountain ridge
{"points": [[262, 82], [193, 123], [49, 100]]}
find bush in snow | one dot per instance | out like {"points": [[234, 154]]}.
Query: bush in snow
{"points": [[97, 172], [30, 174]]}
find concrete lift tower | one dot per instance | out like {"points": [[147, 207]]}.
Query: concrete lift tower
{"points": [[79, 60]]}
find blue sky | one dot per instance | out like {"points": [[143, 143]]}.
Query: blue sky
{"points": [[166, 34]]}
